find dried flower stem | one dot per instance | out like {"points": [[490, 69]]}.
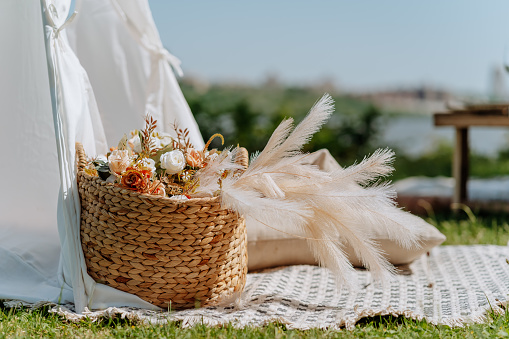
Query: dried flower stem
{"points": [[148, 145], [212, 138], [183, 140]]}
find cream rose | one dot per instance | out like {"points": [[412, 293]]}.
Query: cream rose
{"points": [[193, 157], [173, 162], [119, 161]]}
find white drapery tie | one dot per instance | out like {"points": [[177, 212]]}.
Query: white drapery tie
{"points": [[172, 60], [54, 12], [153, 48]]}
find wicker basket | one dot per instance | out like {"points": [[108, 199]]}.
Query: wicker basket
{"points": [[178, 254]]}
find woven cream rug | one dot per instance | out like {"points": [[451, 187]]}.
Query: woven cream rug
{"points": [[455, 285]]}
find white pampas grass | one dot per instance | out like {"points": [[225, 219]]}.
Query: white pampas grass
{"points": [[328, 209], [207, 177]]}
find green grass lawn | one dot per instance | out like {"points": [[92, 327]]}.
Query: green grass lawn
{"points": [[462, 228]]}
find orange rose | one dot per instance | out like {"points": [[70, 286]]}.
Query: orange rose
{"points": [[146, 173], [135, 180], [193, 157]]}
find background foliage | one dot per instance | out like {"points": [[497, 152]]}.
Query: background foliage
{"points": [[248, 114]]}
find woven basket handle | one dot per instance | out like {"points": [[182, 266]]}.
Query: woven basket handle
{"points": [[81, 158]]}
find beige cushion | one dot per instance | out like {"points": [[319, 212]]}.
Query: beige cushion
{"points": [[269, 248]]}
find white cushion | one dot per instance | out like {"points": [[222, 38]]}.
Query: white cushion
{"points": [[268, 247]]}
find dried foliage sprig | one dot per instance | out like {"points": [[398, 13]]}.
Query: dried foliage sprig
{"points": [[147, 142], [182, 140]]}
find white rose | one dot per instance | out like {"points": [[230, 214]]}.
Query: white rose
{"points": [[102, 157], [173, 162], [149, 163], [163, 139], [135, 143]]}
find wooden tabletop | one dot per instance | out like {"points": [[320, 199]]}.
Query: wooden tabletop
{"points": [[487, 114], [467, 120]]}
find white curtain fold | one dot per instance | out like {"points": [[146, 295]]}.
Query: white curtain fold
{"points": [[76, 118], [73, 121], [48, 104], [29, 241], [131, 72]]}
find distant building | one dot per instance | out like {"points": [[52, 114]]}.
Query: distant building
{"points": [[423, 99], [199, 84]]}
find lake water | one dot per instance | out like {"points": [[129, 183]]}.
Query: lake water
{"points": [[416, 135]]}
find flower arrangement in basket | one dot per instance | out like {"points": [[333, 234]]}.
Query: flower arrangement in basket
{"points": [[166, 222], [157, 164], [144, 233]]}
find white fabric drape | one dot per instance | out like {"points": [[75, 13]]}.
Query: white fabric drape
{"points": [[47, 105], [76, 119], [29, 242], [119, 46]]}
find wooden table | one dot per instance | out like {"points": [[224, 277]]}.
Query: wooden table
{"points": [[461, 122]]}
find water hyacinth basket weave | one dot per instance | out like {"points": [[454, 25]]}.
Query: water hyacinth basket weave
{"points": [[172, 253]]}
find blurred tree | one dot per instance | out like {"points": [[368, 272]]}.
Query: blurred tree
{"points": [[244, 119], [352, 137], [247, 115], [435, 162]]}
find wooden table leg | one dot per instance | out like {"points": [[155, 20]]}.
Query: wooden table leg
{"points": [[461, 165]]}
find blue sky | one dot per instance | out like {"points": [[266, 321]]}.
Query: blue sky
{"points": [[359, 44]]}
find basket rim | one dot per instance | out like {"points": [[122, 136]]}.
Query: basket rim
{"points": [[124, 190]]}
